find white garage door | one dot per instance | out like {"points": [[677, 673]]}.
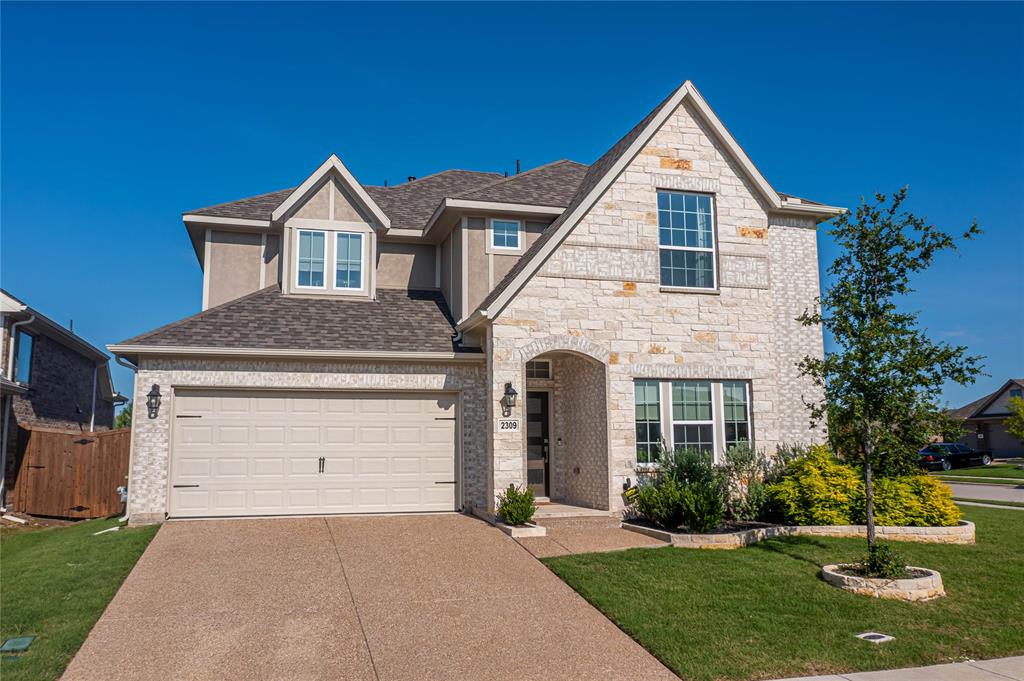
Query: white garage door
{"points": [[237, 453]]}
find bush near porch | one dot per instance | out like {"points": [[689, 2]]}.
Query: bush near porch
{"points": [[799, 486], [733, 615]]}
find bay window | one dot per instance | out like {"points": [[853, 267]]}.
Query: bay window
{"points": [[710, 416], [686, 240]]}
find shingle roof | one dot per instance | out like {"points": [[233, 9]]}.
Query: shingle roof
{"points": [[593, 175], [408, 205], [968, 410], [549, 185], [398, 321]]}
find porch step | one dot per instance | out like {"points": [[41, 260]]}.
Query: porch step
{"points": [[578, 522]]}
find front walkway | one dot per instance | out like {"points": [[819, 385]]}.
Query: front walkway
{"points": [[393, 598], [985, 670], [584, 534]]}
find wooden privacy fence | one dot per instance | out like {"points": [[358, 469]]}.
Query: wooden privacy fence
{"points": [[70, 475]]}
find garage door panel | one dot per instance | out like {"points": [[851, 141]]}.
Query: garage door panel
{"points": [[259, 453]]}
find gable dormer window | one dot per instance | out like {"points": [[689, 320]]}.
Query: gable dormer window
{"points": [[686, 239], [348, 261], [505, 234], [310, 270]]}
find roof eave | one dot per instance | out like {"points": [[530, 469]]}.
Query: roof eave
{"points": [[135, 351]]}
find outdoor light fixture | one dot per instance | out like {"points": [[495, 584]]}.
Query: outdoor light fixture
{"points": [[509, 400], [153, 401]]}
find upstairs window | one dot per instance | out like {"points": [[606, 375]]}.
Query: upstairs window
{"points": [[687, 240], [310, 270], [23, 360], [1015, 392], [348, 257], [505, 234]]}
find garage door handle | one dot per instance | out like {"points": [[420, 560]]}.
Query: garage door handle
{"points": [[177, 486], [444, 418], [188, 416], [444, 482]]}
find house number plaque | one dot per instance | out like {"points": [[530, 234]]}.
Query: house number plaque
{"points": [[508, 425]]}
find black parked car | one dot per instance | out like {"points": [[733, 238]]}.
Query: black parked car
{"points": [[945, 455]]}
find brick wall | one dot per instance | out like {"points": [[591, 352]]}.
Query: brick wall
{"points": [[599, 295]]}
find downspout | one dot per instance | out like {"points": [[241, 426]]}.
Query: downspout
{"points": [[92, 414], [131, 437], [7, 410]]}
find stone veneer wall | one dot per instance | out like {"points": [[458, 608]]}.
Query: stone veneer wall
{"points": [[151, 437], [583, 456], [599, 294]]}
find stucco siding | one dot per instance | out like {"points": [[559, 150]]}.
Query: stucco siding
{"points": [[406, 266], [234, 266]]}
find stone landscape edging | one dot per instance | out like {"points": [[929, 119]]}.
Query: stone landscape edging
{"points": [[961, 533], [911, 589]]}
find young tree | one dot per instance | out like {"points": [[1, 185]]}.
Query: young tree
{"points": [[124, 417], [1015, 421], [881, 383]]}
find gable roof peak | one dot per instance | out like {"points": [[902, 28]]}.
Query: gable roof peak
{"points": [[333, 164]]}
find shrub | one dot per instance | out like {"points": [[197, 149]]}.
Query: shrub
{"points": [[746, 469], [661, 502], [821, 490], [883, 562], [816, 490], [515, 506]]}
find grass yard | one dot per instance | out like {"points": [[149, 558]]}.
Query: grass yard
{"points": [[763, 612], [996, 470], [999, 502], [55, 585]]}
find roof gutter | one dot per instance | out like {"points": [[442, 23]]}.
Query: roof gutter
{"points": [[290, 353]]}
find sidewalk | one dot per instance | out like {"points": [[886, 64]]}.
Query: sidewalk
{"points": [[986, 670]]}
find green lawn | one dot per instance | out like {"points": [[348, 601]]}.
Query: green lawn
{"points": [[996, 470], [55, 584], [997, 502], [763, 612]]}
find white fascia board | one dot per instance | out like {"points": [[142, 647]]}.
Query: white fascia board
{"points": [[497, 206], [819, 211], [10, 304], [181, 351], [332, 163], [213, 220]]}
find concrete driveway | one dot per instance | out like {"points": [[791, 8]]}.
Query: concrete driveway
{"points": [[412, 597]]}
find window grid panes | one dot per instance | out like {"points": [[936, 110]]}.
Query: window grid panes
{"points": [[311, 259], [692, 416], [648, 421], [505, 234], [349, 261], [538, 369], [23, 365], [686, 238], [736, 414]]}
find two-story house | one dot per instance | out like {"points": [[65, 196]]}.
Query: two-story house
{"points": [[49, 378], [421, 347]]}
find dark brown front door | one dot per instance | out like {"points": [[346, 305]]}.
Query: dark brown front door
{"points": [[537, 442]]}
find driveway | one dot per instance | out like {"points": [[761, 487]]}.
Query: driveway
{"points": [[401, 597]]}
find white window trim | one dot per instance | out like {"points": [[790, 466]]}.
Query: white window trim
{"points": [[362, 262], [550, 375], [717, 421], [713, 250], [518, 248], [671, 415], [298, 250]]}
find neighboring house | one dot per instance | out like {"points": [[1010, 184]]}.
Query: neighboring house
{"points": [[50, 377], [984, 421], [421, 347]]}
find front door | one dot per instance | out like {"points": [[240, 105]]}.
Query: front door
{"points": [[537, 442]]}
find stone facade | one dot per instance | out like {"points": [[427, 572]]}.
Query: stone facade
{"points": [[151, 437], [599, 296]]}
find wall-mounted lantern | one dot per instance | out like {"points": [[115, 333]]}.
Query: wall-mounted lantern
{"points": [[153, 401], [508, 400]]}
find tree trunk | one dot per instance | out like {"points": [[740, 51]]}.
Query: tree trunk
{"points": [[869, 503]]}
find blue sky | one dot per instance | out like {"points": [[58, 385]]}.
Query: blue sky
{"points": [[118, 117]]}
